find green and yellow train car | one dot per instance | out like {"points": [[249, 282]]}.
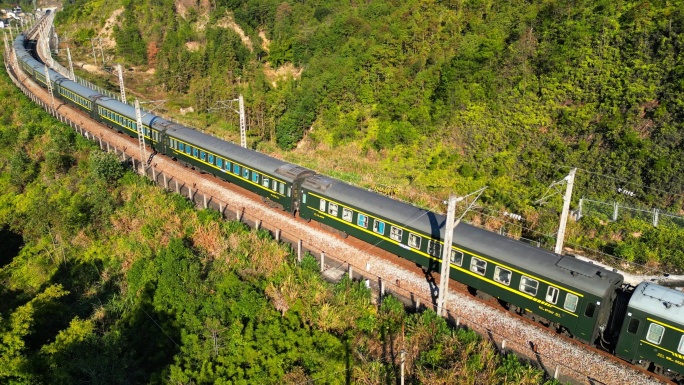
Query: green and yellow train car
{"points": [[276, 181], [653, 330], [575, 295]]}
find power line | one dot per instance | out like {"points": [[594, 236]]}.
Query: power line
{"points": [[558, 166], [160, 328], [631, 183]]}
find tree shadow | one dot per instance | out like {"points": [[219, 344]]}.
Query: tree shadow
{"points": [[87, 293], [135, 351], [10, 245]]}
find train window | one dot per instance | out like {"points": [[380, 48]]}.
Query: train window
{"points": [[680, 349], [226, 166], [456, 257], [529, 285], [655, 333], [589, 311], [203, 155], [434, 248], [282, 189], [265, 182], [219, 162], [362, 221], [414, 241], [633, 326], [571, 302], [236, 169], [211, 159], [379, 227], [303, 198], [321, 205], [552, 294], [245, 173], [502, 275], [195, 153], [332, 209], [396, 233], [347, 214], [255, 177], [188, 149], [478, 266]]}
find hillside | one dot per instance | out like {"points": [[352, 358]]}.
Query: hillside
{"points": [[425, 98]]}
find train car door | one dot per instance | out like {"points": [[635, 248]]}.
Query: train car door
{"points": [[296, 194], [628, 343], [94, 113], [163, 144]]}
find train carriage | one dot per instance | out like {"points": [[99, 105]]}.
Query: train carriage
{"points": [[268, 177], [122, 117], [76, 95], [575, 295], [653, 329]]}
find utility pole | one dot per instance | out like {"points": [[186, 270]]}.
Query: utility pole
{"points": [[243, 122], [449, 227], [446, 253], [94, 56], [56, 41], [49, 85], [222, 105], [403, 360], [121, 83], [71, 65], [102, 53], [141, 132], [141, 135], [570, 179]]}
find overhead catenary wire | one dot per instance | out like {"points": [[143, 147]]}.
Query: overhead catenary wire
{"points": [[559, 166]]}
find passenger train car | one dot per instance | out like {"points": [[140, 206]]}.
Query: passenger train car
{"points": [[653, 329], [578, 298]]}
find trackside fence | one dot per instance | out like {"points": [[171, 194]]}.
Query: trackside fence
{"points": [[333, 267], [612, 211]]}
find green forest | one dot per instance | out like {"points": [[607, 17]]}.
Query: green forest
{"points": [[94, 289], [422, 99]]}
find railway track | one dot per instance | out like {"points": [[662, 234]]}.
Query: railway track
{"points": [[559, 356]]}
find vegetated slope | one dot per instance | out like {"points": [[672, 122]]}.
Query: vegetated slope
{"points": [[110, 280], [425, 98]]}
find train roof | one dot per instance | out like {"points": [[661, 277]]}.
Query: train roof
{"points": [[80, 89], [125, 109], [659, 301], [247, 157], [566, 270]]}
